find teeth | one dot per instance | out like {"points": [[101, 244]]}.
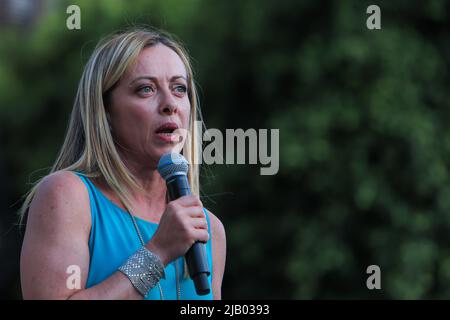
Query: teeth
{"points": [[166, 133]]}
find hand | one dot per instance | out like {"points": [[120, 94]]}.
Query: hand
{"points": [[181, 225]]}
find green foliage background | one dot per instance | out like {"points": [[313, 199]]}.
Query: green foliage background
{"points": [[364, 138]]}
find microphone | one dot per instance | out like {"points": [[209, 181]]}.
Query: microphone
{"points": [[173, 167]]}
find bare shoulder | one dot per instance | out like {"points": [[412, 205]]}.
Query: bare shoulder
{"points": [[219, 248], [61, 180], [56, 236], [218, 230], [60, 196]]}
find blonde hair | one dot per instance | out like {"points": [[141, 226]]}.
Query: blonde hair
{"points": [[88, 147]]}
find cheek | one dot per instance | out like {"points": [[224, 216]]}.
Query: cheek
{"points": [[186, 114], [131, 121], [133, 116]]}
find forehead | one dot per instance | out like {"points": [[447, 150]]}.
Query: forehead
{"points": [[158, 61]]}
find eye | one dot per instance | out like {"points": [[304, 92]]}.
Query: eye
{"points": [[146, 89], [180, 89]]}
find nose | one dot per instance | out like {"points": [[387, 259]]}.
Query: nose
{"points": [[168, 104]]}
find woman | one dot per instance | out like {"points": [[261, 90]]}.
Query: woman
{"points": [[102, 214]]}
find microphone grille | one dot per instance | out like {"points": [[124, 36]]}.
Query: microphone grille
{"points": [[172, 164]]}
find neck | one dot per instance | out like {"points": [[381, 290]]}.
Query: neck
{"points": [[153, 198]]}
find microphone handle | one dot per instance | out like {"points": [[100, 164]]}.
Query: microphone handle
{"points": [[196, 255]]}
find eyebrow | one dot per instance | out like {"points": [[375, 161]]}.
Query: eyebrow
{"points": [[156, 79]]}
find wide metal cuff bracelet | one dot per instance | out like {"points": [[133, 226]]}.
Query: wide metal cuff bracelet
{"points": [[144, 269]]}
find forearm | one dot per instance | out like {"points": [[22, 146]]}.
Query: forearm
{"points": [[116, 287], [120, 286]]}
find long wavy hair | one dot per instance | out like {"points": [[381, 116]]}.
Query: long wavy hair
{"points": [[88, 147]]}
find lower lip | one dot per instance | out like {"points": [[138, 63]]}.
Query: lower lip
{"points": [[169, 138]]}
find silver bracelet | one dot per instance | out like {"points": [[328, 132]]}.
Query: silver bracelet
{"points": [[144, 269]]}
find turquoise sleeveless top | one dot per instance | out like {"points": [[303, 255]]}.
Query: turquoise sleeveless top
{"points": [[113, 238]]}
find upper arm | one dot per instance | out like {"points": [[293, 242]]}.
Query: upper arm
{"points": [[56, 238], [218, 254]]}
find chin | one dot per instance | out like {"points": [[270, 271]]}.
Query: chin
{"points": [[167, 149]]}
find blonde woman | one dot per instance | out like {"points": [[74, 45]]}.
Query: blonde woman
{"points": [[102, 214]]}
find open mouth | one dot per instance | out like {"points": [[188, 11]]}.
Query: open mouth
{"points": [[167, 132], [167, 128]]}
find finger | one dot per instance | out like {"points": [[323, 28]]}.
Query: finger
{"points": [[193, 212], [189, 201], [199, 223], [201, 235]]}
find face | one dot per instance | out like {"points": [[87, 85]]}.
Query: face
{"points": [[152, 93]]}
